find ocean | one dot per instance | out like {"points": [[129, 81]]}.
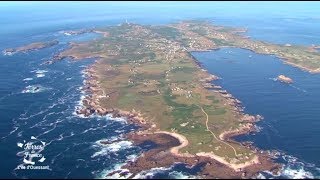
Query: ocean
{"points": [[38, 101]]}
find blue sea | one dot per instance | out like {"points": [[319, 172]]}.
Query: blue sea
{"points": [[38, 101]]}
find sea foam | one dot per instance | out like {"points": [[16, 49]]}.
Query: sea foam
{"points": [[293, 169], [106, 149], [34, 89], [150, 173], [27, 79]]}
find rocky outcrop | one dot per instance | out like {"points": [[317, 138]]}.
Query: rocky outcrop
{"points": [[211, 77], [30, 47], [284, 79], [250, 118]]}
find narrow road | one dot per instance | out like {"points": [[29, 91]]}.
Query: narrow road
{"points": [[235, 152]]}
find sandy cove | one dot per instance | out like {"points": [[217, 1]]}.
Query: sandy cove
{"points": [[165, 153], [184, 142], [235, 167]]}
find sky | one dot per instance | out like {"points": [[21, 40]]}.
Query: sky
{"points": [[238, 6], [37, 11]]}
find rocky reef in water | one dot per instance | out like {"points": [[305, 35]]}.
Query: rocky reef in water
{"points": [[284, 79]]}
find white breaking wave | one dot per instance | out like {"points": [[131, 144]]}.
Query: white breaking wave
{"points": [[150, 173], [40, 75], [39, 71], [294, 169], [119, 119], [5, 53], [180, 175], [27, 79], [94, 129], [117, 167], [261, 176], [132, 158], [67, 34], [120, 131], [34, 89], [297, 173], [106, 149], [172, 175]]}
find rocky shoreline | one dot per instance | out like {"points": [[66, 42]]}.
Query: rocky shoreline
{"points": [[30, 47], [160, 156], [90, 103]]}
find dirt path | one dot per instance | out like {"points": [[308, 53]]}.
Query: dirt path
{"points": [[236, 167], [235, 152]]}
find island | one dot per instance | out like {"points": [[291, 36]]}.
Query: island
{"points": [[30, 47], [284, 79], [147, 74]]}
